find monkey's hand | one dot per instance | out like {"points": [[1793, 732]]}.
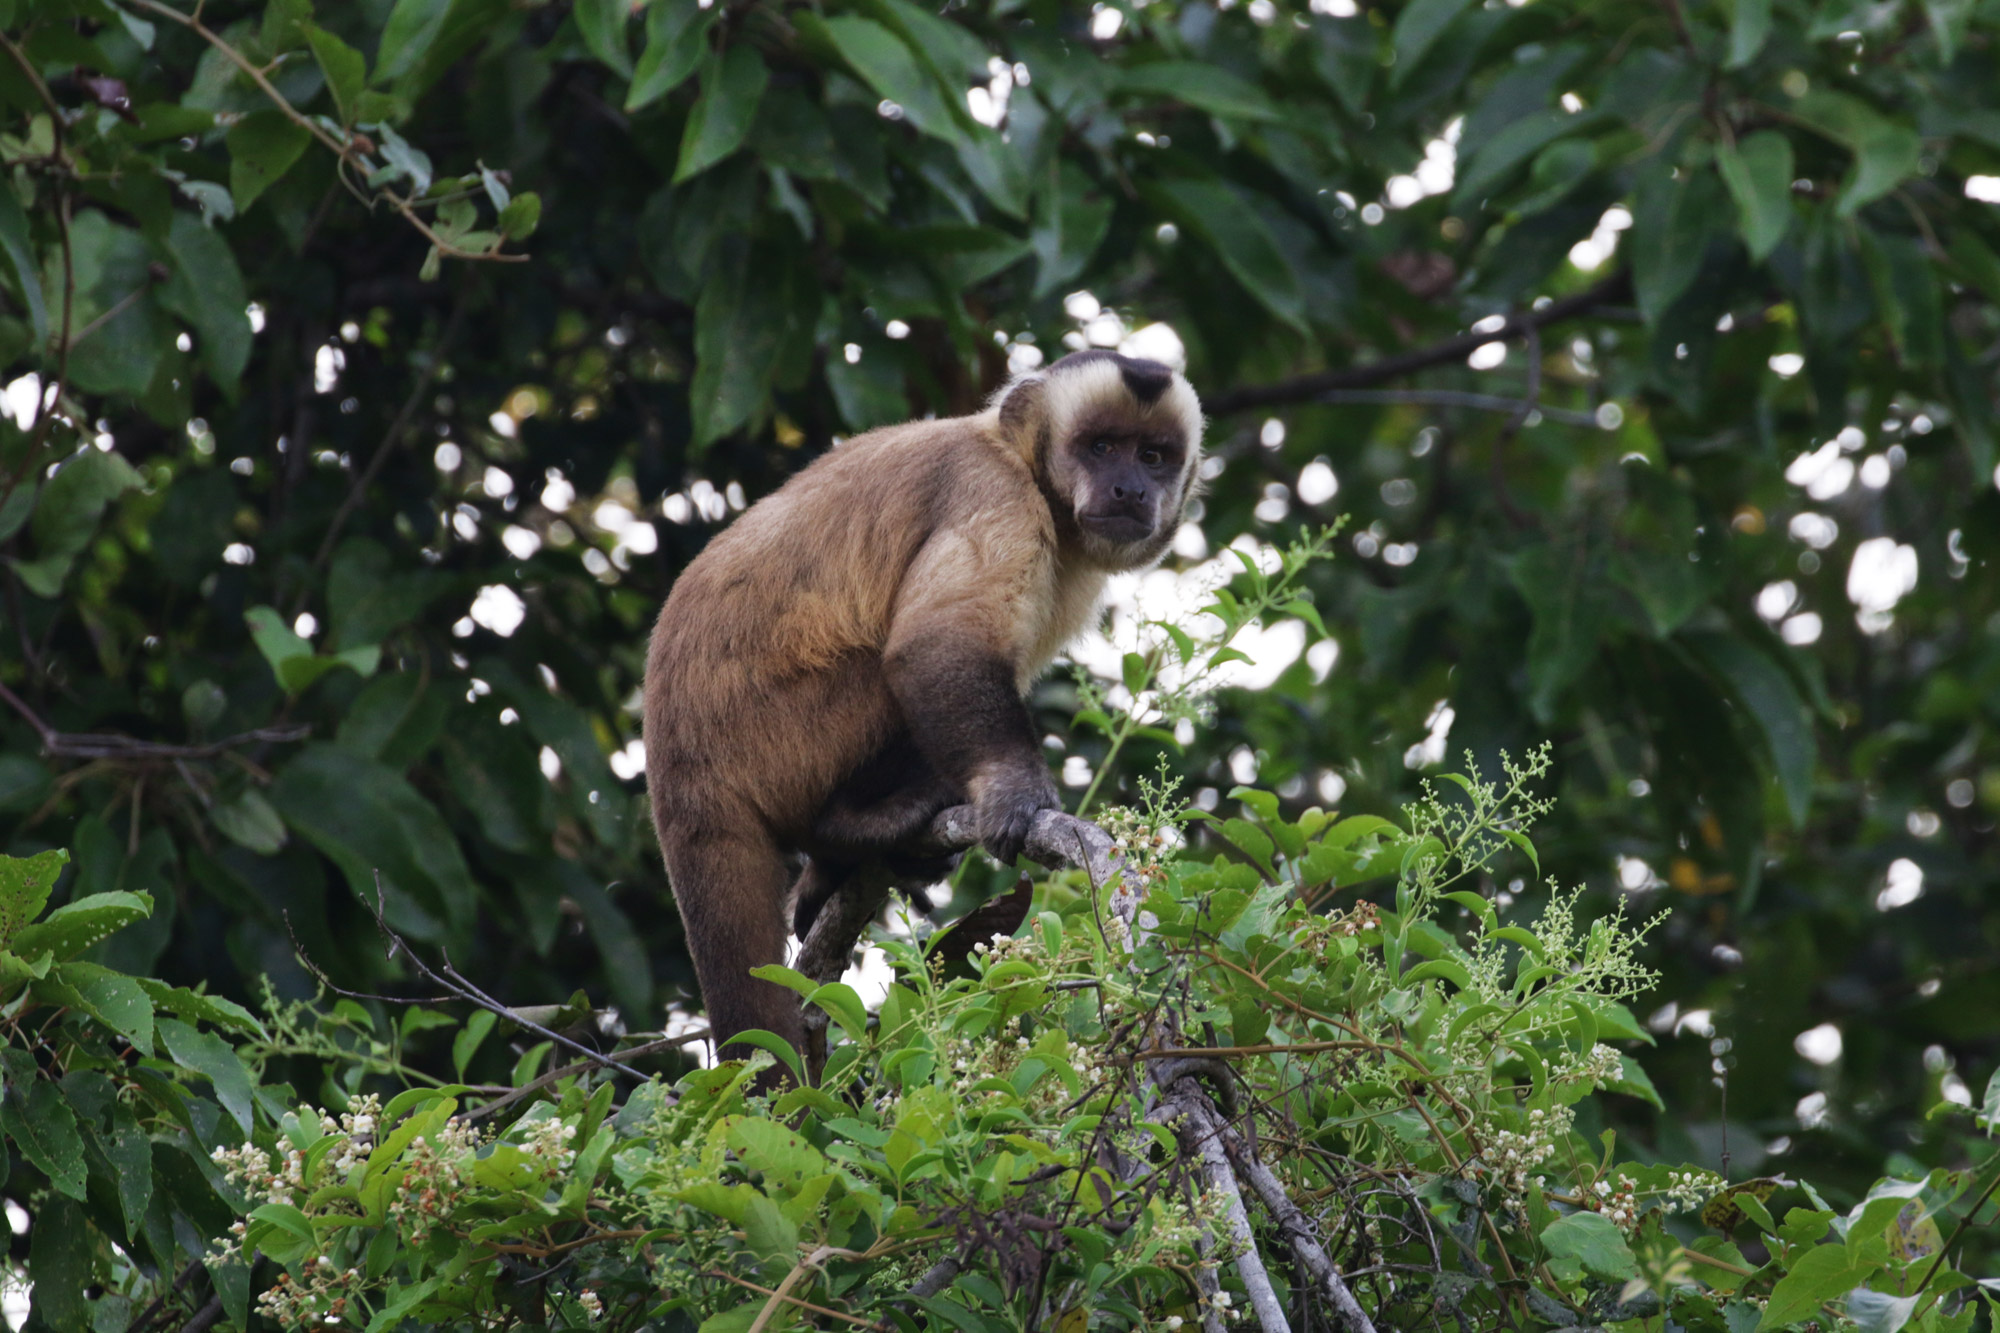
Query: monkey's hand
{"points": [[1007, 805]]}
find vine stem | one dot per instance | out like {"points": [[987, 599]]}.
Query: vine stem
{"points": [[342, 148]]}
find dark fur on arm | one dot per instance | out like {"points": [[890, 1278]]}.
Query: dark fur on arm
{"points": [[970, 723]]}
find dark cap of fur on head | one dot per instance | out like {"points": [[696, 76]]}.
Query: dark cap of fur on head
{"points": [[1145, 380]]}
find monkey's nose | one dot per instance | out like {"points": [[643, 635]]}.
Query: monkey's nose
{"points": [[1132, 493]]}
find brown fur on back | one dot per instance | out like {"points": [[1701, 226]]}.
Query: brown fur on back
{"points": [[781, 622]]}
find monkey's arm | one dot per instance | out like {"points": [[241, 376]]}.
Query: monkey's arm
{"points": [[952, 658]]}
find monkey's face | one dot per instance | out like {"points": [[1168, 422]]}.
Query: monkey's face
{"points": [[1126, 480], [1116, 443]]}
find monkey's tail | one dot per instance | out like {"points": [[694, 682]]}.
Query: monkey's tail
{"points": [[731, 891]]}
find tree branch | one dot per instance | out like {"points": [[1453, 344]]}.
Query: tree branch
{"points": [[1298, 1232], [1199, 1135], [1307, 388], [104, 745]]}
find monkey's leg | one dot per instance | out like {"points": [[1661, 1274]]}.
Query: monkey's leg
{"points": [[818, 882], [731, 892]]}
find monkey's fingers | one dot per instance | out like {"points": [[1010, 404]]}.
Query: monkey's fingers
{"points": [[1054, 839]]}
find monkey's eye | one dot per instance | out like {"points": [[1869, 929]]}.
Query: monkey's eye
{"points": [[1100, 448], [1151, 457]]}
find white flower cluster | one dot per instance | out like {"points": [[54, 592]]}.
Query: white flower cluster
{"points": [[251, 1169], [592, 1303], [319, 1299], [1689, 1190], [1140, 845], [1602, 1065], [1620, 1203], [1002, 948], [1510, 1156]]}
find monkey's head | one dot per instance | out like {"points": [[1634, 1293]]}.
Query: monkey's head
{"points": [[1116, 445]]}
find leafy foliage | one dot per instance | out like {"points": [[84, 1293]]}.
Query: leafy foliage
{"points": [[998, 1116], [372, 368]]}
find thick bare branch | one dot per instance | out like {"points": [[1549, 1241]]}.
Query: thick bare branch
{"points": [[1298, 1232], [1197, 1136]]}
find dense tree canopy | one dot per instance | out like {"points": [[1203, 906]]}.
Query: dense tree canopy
{"points": [[371, 370]]}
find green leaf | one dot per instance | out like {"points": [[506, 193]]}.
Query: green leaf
{"points": [[1905, 283], [1203, 86], [1570, 615], [196, 1007], [75, 499], [521, 216], [345, 68], [1453, 972], [1758, 172], [423, 38], [17, 248], [211, 1056], [1417, 29], [262, 148], [130, 1155], [112, 998], [1823, 1273], [1749, 25], [291, 658], [1876, 1312], [843, 1004], [889, 67], [743, 320], [25, 882], [1885, 153], [206, 289], [466, 1044], [1766, 694], [602, 24], [1949, 20], [75, 926], [39, 1120], [731, 87], [676, 37], [250, 821], [1239, 237], [365, 817], [1135, 671], [1500, 156], [1672, 221], [62, 1262], [1590, 1243]]}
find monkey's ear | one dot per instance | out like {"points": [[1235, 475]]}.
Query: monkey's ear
{"points": [[1024, 416]]}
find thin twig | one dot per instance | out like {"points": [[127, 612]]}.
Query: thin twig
{"points": [[555, 1076], [1957, 1231], [124, 303], [856, 1320], [784, 1291], [459, 987], [1531, 402], [1305, 388], [104, 745], [392, 437], [1483, 402]]}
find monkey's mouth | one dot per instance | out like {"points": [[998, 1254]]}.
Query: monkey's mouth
{"points": [[1121, 527]]}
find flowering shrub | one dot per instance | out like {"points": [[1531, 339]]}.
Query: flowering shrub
{"points": [[989, 1148]]}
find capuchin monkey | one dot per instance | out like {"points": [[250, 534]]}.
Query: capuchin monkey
{"points": [[850, 656]]}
